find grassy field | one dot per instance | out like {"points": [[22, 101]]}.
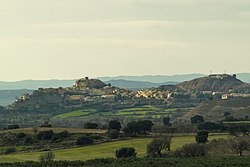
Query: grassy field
{"points": [[237, 122], [138, 112], [55, 130], [76, 113], [104, 150]]}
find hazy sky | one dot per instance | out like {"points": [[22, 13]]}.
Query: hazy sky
{"points": [[45, 39]]}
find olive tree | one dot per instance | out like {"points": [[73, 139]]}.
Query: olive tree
{"points": [[47, 157], [240, 144], [157, 145]]}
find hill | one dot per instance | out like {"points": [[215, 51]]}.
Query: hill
{"points": [[92, 99], [214, 110], [215, 83]]}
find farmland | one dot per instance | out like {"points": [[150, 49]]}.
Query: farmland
{"points": [[136, 112], [103, 150]]}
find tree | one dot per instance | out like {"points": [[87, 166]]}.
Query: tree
{"points": [[14, 126], [46, 124], [155, 147], [201, 136], [210, 126], [230, 118], [63, 134], [227, 114], [166, 121], [240, 144], [45, 135], [113, 133], [35, 130], [115, 125], [21, 135], [167, 142], [145, 126], [131, 129], [90, 125], [140, 127], [9, 150], [125, 152], [47, 157], [192, 150], [197, 119], [84, 140]]}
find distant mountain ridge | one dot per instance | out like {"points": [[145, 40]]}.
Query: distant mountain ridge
{"points": [[35, 84], [156, 78], [245, 77], [133, 85], [130, 82]]}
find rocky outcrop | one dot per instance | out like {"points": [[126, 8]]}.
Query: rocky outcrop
{"points": [[84, 83]]}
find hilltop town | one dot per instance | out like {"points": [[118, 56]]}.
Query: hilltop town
{"points": [[107, 101]]}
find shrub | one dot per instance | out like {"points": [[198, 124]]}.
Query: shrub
{"points": [[55, 138], [211, 126], [192, 150], [230, 118], [9, 150], [15, 126], [227, 114], [47, 157], [46, 125], [197, 119], [125, 152], [84, 140], [96, 137], [166, 121], [114, 125], [64, 134], [28, 140], [45, 135], [201, 136], [113, 133], [90, 125], [21, 135]]}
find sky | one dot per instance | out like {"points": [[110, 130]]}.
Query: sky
{"points": [[66, 39]]}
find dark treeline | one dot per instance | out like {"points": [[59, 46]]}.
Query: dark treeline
{"points": [[142, 162]]}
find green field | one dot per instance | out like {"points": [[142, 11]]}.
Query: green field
{"points": [[237, 122], [103, 150], [136, 112], [76, 113]]}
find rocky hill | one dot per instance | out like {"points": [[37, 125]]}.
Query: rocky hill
{"points": [[214, 110], [85, 92], [84, 83], [215, 83]]}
